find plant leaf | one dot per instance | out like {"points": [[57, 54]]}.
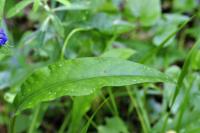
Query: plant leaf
{"points": [[58, 25], [18, 8], [36, 5], [80, 77], [1, 9], [113, 125], [72, 6], [83, 103], [148, 11], [65, 2], [123, 53], [108, 24]]}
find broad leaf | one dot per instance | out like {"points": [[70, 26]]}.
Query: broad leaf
{"points": [[148, 11], [110, 24], [80, 77]]}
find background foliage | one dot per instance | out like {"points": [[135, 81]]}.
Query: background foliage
{"points": [[106, 66]]}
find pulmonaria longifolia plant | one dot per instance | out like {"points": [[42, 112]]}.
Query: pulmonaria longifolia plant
{"points": [[3, 37]]}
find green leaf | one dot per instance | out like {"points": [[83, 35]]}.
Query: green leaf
{"points": [[110, 24], [80, 77], [196, 60], [5, 52], [123, 53], [166, 26], [185, 70], [36, 5], [185, 5], [113, 125], [65, 2], [83, 103], [72, 6], [19, 128], [148, 11], [58, 25], [1, 9], [18, 8]]}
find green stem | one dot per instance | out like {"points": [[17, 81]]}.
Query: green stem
{"points": [[165, 123], [68, 38], [108, 104], [92, 122], [181, 41], [184, 71], [12, 124], [2, 9], [34, 120], [183, 106], [109, 44], [150, 55], [144, 124], [64, 124], [113, 101], [85, 128]]}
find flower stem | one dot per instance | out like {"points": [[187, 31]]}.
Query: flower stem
{"points": [[12, 124], [68, 38], [34, 120]]}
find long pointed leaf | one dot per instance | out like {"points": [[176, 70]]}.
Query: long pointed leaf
{"points": [[80, 77]]}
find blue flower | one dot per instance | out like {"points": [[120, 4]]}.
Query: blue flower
{"points": [[3, 37]]}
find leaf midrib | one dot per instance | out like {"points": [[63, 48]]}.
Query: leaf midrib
{"points": [[80, 80]]}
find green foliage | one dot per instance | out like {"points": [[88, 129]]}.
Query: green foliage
{"points": [[184, 5], [143, 11], [113, 125]]}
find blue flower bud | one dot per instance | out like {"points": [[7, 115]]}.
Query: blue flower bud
{"points": [[3, 37]]}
